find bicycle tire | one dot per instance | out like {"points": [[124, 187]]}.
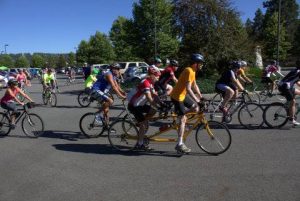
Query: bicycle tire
{"points": [[83, 99], [123, 138], [4, 124], [32, 125], [253, 97], [275, 115], [131, 118], [52, 99], [45, 96], [215, 102], [215, 143], [250, 116], [89, 126]]}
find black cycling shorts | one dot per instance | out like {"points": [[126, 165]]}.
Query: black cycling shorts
{"points": [[266, 80], [288, 93], [139, 112], [180, 106]]}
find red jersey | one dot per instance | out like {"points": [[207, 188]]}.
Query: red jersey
{"points": [[139, 98]]}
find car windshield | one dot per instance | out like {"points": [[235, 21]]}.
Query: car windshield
{"points": [[123, 65]]}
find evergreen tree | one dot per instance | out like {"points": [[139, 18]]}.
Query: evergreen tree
{"points": [[258, 25]]}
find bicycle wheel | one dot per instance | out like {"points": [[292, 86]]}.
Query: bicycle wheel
{"points": [[52, 100], [252, 97], [32, 125], [122, 135], [46, 96], [83, 99], [216, 140], [275, 115], [90, 126], [215, 102], [250, 116], [4, 124]]}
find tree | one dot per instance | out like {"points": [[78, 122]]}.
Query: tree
{"points": [[258, 25], [271, 39], [83, 52], [101, 50], [152, 23], [71, 59], [22, 62], [61, 62], [120, 37], [289, 14], [38, 61], [296, 46], [213, 28], [6, 60]]}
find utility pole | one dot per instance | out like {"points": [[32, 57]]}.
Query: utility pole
{"points": [[155, 39], [278, 31], [5, 48]]}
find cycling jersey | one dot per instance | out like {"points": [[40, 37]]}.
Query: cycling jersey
{"points": [[48, 78], [21, 77], [291, 78], [102, 84], [89, 81], [8, 98], [166, 76], [179, 92], [269, 70], [241, 72], [139, 98], [226, 78]]}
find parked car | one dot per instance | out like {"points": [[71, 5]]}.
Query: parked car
{"points": [[79, 70], [125, 65], [135, 74]]}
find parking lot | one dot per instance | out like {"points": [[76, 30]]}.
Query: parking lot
{"points": [[62, 164]]}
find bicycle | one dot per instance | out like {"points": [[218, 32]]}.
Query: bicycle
{"points": [[84, 98], [70, 80], [123, 134], [19, 96], [248, 112], [49, 97], [93, 124], [32, 124], [266, 93], [276, 114]]}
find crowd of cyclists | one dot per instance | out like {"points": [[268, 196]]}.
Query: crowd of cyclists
{"points": [[145, 99]]}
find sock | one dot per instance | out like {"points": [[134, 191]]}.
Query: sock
{"points": [[180, 140]]}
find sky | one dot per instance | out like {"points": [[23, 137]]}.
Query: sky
{"points": [[58, 26]]}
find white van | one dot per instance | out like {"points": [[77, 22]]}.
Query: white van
{"points": [[125, 65]]}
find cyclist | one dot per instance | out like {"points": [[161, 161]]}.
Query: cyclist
{"points": [[10, 97], [162, 86], [242, 75], [157, 62], [55, 80], [21, 78], [48, 80], [187, 85], [138, 104], [100, 89], [271, 69], [90, 80], [228, 85], [287, 87]]}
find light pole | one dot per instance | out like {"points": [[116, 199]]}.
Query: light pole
{"points": [[278, 31], [155, 40], [5, 48]]}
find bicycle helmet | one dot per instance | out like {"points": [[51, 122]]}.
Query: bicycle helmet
{"points": [[235, 65], [154, 71], [157, 60], [173, 62], [243, 63], [273, 62], [197, 58], [12, 82], [115, 65], [95, 71]]}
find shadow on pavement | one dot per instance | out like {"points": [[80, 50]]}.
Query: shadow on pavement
{"points": [[108, 150], [66, 135]]}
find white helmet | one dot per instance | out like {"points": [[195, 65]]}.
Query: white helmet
{"points": [[243, 63]]}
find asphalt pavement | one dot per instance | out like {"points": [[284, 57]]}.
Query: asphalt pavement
{"points": [[63, 165]]}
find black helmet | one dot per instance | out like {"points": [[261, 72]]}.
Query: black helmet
{"points": [[197, 58], [115, 65], [235, 65], [173, 62], [273, 62], [12, 82]]}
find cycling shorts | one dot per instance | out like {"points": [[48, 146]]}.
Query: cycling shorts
{"points": [[100, 95], [139, 112], [288, 93], [10, 106], [266, 80], [180, 106]]}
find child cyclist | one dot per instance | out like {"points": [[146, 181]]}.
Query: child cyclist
{"points": [[10, 97]]}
